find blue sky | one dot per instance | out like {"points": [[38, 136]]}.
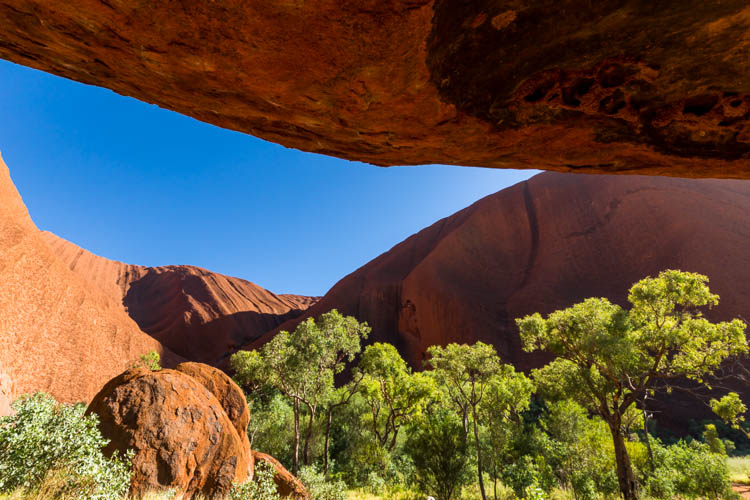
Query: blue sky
{"points": [[136, 183]]}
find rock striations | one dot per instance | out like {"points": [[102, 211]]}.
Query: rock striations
{"points": [[542, 245], [198, 314], [58, 333], [612, 86]]}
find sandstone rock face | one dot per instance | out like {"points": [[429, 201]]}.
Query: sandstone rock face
{"points": [[288, 485], [58, 332], [611, 86], [179, 431], [543, 245], [198, 314], [229, 394]]}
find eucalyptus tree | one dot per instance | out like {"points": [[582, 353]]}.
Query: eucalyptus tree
{"points": [[608, 357], [471, 374], [393, 392], [302, 365]]}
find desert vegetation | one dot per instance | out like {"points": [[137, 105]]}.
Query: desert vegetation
{"points": [[360, 423]]}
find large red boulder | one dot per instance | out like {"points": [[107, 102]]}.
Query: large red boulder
{"points": [[229, 394], [181, 435]]}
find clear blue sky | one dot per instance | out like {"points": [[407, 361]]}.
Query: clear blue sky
{"points": [[136, 183]]}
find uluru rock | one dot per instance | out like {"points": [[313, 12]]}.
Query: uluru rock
{"points": [[545, 244], [288, 485], [59, 333], [198, 314], [613, 86], [179, 431]]}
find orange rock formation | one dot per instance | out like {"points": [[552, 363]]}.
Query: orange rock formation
{"points": [[198, 314], [58, 333], [612, 86]]}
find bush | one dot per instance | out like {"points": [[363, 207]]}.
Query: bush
{"points": [[263, 487], [319, 487], [439, 447], [57, 448], [689, 470], [150, 360]]}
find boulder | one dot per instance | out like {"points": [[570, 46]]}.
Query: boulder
{"points": [[229, 394], [181, 435], [288, 485]]}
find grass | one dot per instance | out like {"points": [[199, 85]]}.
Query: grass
{"points": [[739, 469]]}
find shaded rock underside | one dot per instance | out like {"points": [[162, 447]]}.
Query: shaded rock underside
{"points": [[613, 86]]}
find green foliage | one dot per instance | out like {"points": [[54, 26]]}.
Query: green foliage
{"points": [[321, 488], [302, 365], [151, 360], [46, 443], [711, 438], [262, 487], [439, 448], [394, 394], [609, 358], [688, 470], [730, 409]]}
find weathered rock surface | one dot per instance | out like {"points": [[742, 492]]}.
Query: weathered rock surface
{"points": [[613, 86], [229, 394], [198, 314], [179, 431], [288, 485], [58, 333], [545, 244]]}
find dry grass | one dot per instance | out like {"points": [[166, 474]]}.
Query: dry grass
{"points": [[739, 469]]}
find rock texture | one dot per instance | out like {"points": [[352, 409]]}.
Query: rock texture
{"points": [[229, 395], [288, 485], [179, 431], [198, 314], [58, 332], [545, 244], [613, 86]]}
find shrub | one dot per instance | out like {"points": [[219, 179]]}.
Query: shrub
{"points": [[57, 448], [263, 487], [151, 360], [319, 487], [689, 470]]}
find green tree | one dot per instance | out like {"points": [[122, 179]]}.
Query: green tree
{"points": [[609, 357], [394, 394], [439, 447], [467, 372], [508, 395], [302, 366]]}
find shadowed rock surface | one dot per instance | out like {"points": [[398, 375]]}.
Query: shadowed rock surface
{"points": [[198, 314], [543, 245], [58, 333], [179, 431], [613, 86]]}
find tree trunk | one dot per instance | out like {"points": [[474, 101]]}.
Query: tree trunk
{"points": [[647, 438], [308, 436], [479, 453], [625, 476], [295, 463], [328, 437]]}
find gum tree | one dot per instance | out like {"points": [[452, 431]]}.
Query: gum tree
{"points": [[302, 365], [468, 373], [609, 357]]}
